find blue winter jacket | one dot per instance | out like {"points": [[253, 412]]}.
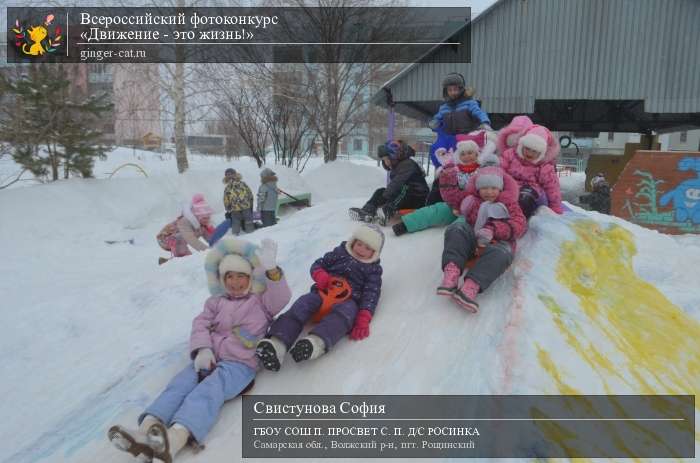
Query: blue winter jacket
{"points": [[467, 105], [364, 279]]}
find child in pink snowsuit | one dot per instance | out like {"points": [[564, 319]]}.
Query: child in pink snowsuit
{"points": [[248, 289], [532, 163], [491, 222], [186, 230]]}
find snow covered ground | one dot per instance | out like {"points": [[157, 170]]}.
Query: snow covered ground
{"points": [[91, 333]]}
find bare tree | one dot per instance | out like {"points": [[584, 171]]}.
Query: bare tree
{"points": [[241, 104]]}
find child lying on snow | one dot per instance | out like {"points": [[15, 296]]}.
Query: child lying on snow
{"points": [[491, 224], [248, 290], [355, 260], [192, 224]]}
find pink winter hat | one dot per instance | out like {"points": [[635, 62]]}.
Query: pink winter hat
{"points": [[490, 176], [200, 208]]}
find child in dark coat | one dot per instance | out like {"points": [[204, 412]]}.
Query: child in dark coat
{"points": [[407, 188], [356, 261], [599, 198]]}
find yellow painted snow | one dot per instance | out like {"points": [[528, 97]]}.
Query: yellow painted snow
{"points": [[630, 335]]}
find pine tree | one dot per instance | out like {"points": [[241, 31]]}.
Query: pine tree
{"points": [[48, 129]]}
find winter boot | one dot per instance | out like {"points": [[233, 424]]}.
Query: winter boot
{"points": [[466, 295], [363, 214], [166, 443], [162, 260], [450, 278], [308, 348], [147, 422], [133, 442], [385, 214], [271, 352], [399, 228]]}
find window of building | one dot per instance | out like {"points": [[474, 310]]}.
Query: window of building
{"points": [[357, 144], [684, 137], [611, 136]]}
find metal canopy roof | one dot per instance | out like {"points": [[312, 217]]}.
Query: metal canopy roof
{"points": [[582, 65]]}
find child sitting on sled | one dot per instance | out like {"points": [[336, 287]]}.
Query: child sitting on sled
{"points": [[532, 163], [248, 289], [473, 150], [492, 221], [407, 188], [192, 224], [357, 262]]}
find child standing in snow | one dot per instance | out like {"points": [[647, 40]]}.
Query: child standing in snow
{"points": [[459, 113], [356, 261], [599, 198], [192, 224], [238, 202], [532, 163], [491, 224], [407, 188], [248, 289], [267, 197]]}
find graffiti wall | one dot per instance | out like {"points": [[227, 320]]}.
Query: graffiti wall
{"points": [[660, 190]]}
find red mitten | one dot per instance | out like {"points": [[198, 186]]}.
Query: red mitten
{"points": [[361, 328], [321, 277]]}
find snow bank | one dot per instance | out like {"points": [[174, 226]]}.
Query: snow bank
{"points": [[91, 333]]}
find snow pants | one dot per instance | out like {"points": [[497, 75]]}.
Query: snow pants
{"points": [[434, 195], [196, 405], [405, 200], [460, 246], [336, 324], [268, 218], [435, 215]]}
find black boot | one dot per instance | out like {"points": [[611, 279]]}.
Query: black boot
{"points": [[363, 214], [400, 228]]}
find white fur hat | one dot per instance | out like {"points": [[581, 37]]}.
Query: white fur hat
{"points": [[535, 139], [234, 263], [372, 236]]}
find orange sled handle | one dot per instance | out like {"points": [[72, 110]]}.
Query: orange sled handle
{"points": [[338, 291]]}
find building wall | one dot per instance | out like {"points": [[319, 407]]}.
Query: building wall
{"points": [[136, 102]]}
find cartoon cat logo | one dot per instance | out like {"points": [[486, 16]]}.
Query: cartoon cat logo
{"points": [[35, 41]]}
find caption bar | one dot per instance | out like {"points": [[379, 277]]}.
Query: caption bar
{"points": [[238, 35], [468, 426]]}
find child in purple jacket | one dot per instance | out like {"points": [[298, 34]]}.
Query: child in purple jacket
{"points": [[248, 289], [355, 260]]}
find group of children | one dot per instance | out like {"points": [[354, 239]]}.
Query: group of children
{"points": [[483, 199], [193, 222]]}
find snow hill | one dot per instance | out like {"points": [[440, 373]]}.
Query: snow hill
{"points": [[91, 332]]}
